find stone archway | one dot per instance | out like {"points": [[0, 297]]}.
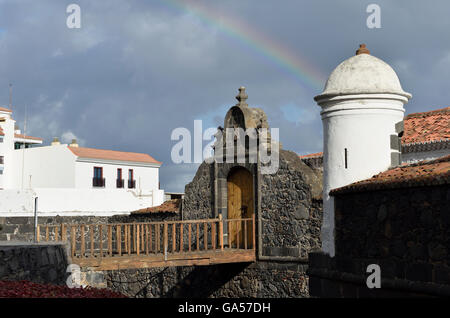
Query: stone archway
{"points": [[240, 204]]}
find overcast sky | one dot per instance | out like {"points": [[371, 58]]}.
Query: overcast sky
{"points": [[136, 70]]}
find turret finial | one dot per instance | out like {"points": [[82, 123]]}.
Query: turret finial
{"points": [[242, 97], [362, 50]]}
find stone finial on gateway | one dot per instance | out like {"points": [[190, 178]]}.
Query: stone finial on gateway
{"points": [[242, 97]]}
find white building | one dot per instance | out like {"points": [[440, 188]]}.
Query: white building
{"points": [[362, 114], [72, 180]]}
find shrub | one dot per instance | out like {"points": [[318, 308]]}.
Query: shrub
{"points": [[26, 289]]}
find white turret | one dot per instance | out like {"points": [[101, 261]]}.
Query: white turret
{"points": [[361, 104]]}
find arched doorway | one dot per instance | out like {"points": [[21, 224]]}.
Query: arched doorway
{"points": [[240, 206]]}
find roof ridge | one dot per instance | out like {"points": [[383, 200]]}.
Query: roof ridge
{"points": [[429, 113], [140, 153], [76, 151]]}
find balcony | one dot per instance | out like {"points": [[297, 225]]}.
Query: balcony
{"points": [[120, 183], [131, 184], [98, 182]]}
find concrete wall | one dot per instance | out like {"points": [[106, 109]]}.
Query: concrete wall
{"points": [[77, 201], [44, 167]]}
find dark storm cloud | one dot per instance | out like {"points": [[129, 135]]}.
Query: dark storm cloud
{"points": [[138, 69]]}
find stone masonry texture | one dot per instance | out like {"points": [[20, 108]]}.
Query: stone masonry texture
{"points": [[39, 263], [406, 231]]}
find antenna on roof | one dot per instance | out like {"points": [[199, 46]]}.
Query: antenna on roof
{"points": [[10, 96]]}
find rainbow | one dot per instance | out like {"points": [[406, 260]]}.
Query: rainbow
{"points": [[259, 43]]}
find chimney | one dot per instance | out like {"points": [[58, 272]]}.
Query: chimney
{"points": [[74, 143], [55, 141]]}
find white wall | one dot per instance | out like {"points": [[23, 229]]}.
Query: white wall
{"points": [[363, 124], [6, 150], [412, 157], [49, 167], [147, 178], [70, 202]]}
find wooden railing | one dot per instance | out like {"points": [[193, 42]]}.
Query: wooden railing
{"points": [[141, 239]]}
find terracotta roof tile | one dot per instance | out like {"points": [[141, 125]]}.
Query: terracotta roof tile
{"points": [[170, 206], [312, 155], [424, 173], [427, 126], [1, 132], [112, 155], [3, 109], [22, 136]]}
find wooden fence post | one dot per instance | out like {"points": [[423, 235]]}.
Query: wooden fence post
{"points": [[38, 233], [72, 238], [110, 240], [137, 232], [254, 232], [181, 238], [82, 241], [63, 232], [100, 235], [166, 239], [174, 237], [119, 239], [91, 228], [221, 231]]}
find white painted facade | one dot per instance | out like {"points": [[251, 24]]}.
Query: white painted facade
{"points": [[63, 181], [414, 157], [146, 177], [361, 104], [6, 147], [76, 202]]}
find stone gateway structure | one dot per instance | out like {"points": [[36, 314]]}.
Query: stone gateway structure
{"points": [[287, 204]]}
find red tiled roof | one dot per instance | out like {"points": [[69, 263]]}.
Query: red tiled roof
{"points": [[1, 132], [428, 126], [312, 155], [112, 155], [3, 109], [432, 172], [170, 206], [22, 136]]}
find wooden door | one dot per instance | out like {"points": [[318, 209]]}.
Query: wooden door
{"points": [[240, 205]]}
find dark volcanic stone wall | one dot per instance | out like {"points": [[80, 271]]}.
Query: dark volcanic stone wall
{"points": [[291, 208], [198, 196], [405, 231], [261, 279], [42, 263], [291, 205]]}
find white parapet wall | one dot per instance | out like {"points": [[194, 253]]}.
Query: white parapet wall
{"points": [[76, 202]]}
